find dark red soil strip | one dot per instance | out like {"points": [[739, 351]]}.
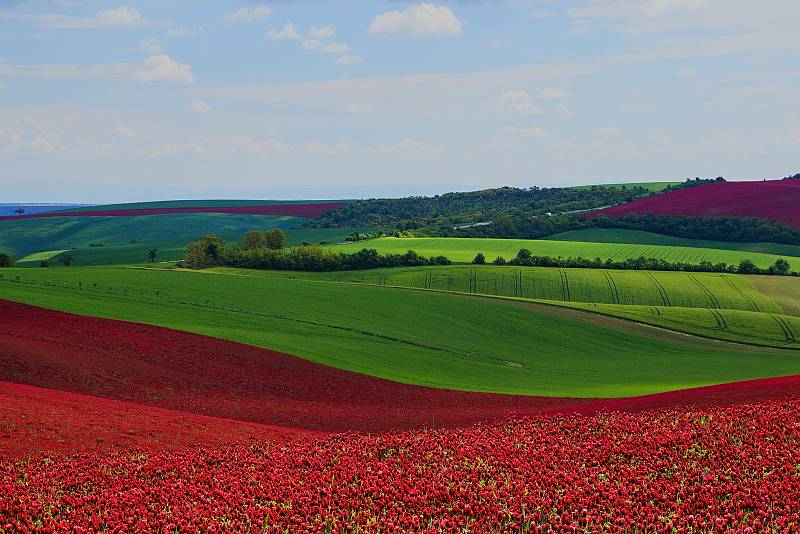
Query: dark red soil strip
{"points": [[777, 200], [36, 421], [293, 210]]}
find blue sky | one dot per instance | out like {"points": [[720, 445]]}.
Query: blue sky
{"points": [[115, 101]]}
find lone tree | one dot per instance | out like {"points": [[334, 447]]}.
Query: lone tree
{"points": [[524, 254], [480, 259], [253, 239], [151, 255], [5, 260], [781, 267], [66, 259], [276, 238], [747, 267], [205, 252]]}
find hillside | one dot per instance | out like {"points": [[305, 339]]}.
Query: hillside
{"points": [[774, 200]]}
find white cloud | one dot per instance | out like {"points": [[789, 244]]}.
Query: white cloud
{"points": [[532, 131], [150, 45], [551, 93], [527, 131], [519, 102], [121, 17], [126, 132], [564, 111], [326, 32], [162, 68], [288, 32], [408, 146], [248, 15], [351, 59], [325, 47], [417, 20], [608, 131], [687, 72], [357, 110], [199, 106]]}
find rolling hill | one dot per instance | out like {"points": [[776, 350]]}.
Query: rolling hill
{"points": [[775, 200], [397, 334]]}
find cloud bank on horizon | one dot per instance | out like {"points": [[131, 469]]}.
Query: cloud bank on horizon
{"points": [[115, 101]]}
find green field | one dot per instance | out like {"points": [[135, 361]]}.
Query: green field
{"points": [[720, 306], [40, 256], [615, 235], [464, 250], [420, 337]]}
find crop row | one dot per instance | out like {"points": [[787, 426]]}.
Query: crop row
{"points": [[688, 290]]}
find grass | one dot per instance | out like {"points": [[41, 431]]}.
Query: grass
{"points": [[754, 328], [418, 337], [40, 256], [463, 250], [643, 296], [615, 235], [785, 292], [649, 288]]}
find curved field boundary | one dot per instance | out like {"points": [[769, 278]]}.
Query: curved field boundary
{"points": [[191, 373], [292, 210], [114, 384], [776, 200]]}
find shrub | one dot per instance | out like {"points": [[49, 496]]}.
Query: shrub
{"points": [[276, 238], [480, 259], [5, 260]]}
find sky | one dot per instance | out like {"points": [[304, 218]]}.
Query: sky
{"points": [[125, 101]]}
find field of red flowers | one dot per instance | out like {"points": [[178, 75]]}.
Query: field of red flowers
{"points": [[293, 210], [684, 470], [773, 200]]}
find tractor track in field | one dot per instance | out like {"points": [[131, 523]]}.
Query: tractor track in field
{"points": [[744, 295]]}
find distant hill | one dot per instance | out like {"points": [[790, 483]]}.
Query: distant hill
{"points": [[774, 200]]}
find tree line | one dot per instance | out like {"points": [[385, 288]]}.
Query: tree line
{"points": [[524, 257], [254, 253]]}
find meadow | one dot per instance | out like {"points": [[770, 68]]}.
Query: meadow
{"points": [[464, 250], [490, 345]]}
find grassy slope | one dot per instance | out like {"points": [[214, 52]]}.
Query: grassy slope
{"points": [[785, 292], [167, 233], [37, 257], [464, 250], [719, 306], [614, 235], [410, 336]]}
